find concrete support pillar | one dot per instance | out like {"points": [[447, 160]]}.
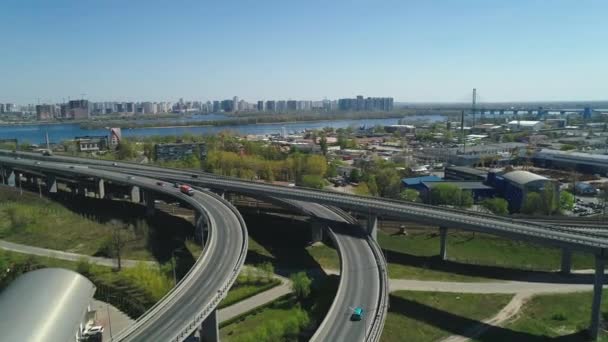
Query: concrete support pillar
{"points": [[222, 194], [210, 331], [594, 329], [316, 228], [372, 226], [149, 199], [443, 235], [51, 183], [135, 194], [82, 191], [11, 179], [101, 190], [566, 261]]}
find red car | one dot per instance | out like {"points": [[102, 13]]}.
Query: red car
{"points": [[186, 189]]}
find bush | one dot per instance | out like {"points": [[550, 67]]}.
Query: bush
{"points": [[313, 181], [300, 284], [498, 206], [558, 317]]}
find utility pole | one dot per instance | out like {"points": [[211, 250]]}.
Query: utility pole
{"points": [[474, 103], [464, 140]]}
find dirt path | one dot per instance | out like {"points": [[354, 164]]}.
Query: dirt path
{"points": [[508, 312]]}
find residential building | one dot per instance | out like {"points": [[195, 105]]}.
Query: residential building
{"points": [[292, 105], [45, 112], [271, 106], [260, 107], [92, 143], [78, 109], [148, 108]]}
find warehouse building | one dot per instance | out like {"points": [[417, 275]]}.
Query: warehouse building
{"points": [[572, 160], [463, 173], [515, 185]]}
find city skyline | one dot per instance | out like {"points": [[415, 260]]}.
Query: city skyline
{"points": [[411, 51]]}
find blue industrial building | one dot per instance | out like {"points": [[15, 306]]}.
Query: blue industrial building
{"points": [[479, 190], [515, 185], [415, 183]]}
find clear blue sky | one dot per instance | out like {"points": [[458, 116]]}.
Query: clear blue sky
{"points": [[419, 50]]}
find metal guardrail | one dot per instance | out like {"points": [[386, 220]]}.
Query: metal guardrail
{"points": [[375, 332], [223, 291]]}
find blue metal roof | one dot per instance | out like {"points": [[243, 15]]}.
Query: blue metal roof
{"points": [[418, 180]]}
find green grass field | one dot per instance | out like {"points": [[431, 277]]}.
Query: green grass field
{"points": [[281, 320], [243, 290], [471, 256], [563, 317], [430, 316]]}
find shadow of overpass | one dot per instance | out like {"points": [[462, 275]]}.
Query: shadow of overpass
{"points": [[495, 272], [458, 325]]}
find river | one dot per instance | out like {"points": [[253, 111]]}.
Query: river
{"points": [[61, 132]]}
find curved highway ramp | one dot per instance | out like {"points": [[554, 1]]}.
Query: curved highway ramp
{"points": [[193, 301]]}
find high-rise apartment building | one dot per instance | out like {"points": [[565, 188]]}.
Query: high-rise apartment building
{"points": [[260, 106], [78, 109], [45, 112], [235, 103], [271, 106]]}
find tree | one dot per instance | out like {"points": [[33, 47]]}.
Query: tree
{"points": [[498, 206], [125, 150], [300, 284], [372, 185], [323, 144], [313, 181], [450, 194], [388, 182], [355, 176], [315, 165], [550, 200], [362, 189], [409, 195], [267, 269], [466, 198], [566, 200], [532, 203]]}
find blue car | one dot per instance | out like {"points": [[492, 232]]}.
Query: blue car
{"points": [[357, 314]]}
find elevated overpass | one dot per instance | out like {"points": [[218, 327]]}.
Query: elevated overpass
{"points": [[564, 238], [191, 304]]}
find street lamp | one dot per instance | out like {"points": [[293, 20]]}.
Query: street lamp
{"points": [[173, 264]]}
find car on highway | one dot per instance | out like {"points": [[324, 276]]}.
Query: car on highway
{"points": [[37, 163], [93, 331], [176, 185], [357, 314], [194, 176], [130, 177], [159, 183], [114, 164], [186, 189]]}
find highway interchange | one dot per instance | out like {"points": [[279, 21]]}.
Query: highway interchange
{"points": [[361, 258]]}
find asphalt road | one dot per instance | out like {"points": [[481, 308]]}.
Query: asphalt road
{"points": [[225, 244], [359, 279]]}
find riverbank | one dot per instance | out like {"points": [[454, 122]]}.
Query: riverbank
{"points": [[247, 120]]}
